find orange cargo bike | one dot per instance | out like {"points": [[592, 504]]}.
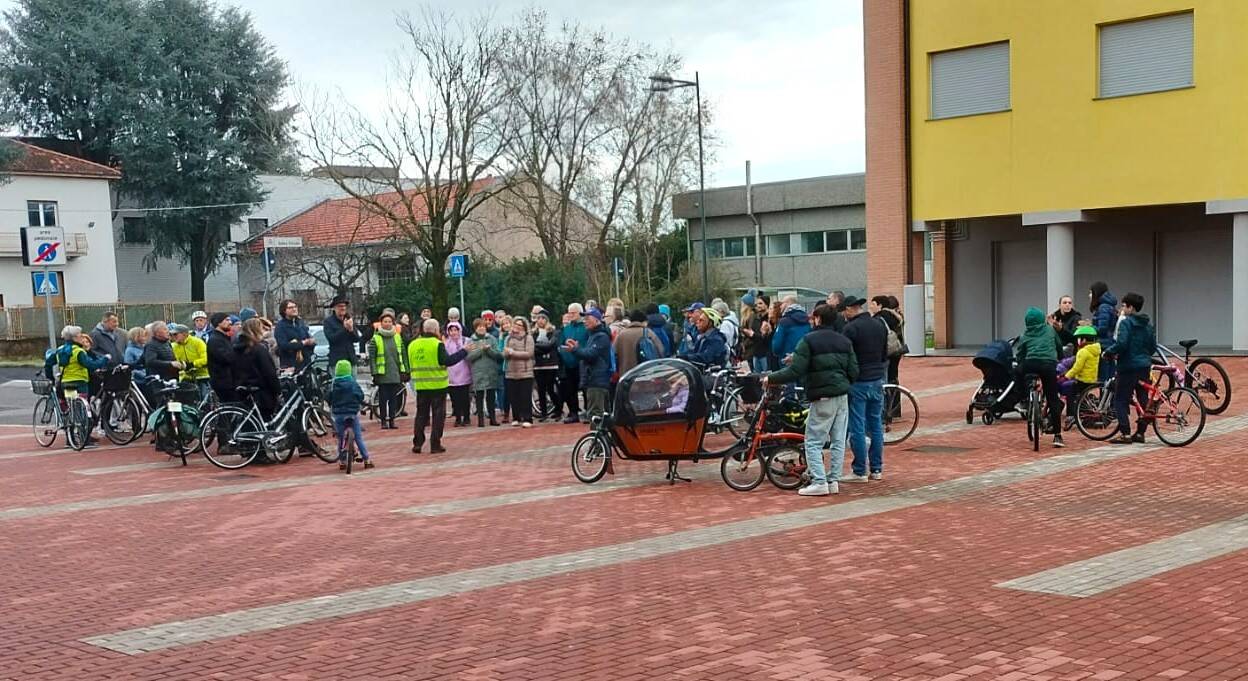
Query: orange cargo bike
{"points": [[664, 411]]}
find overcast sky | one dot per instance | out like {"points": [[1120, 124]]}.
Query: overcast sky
{"points": [[785, 76]]}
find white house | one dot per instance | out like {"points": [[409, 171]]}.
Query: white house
{"points": [[47, 188], [170, 282]]}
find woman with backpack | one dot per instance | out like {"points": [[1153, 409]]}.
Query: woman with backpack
{"points": [[885, 309]]}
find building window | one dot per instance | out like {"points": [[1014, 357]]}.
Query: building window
{"points": [[133, 231], [778, 244], [1146, 55], [257, 226], [396, 270], [811, 242], [857, 239], [971, 80], [837, 241], [41, 213], [730, 247]]}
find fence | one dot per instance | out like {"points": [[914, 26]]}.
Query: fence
{"points": [[32, 322]]}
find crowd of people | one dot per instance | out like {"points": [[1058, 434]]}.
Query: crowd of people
{"points": [[501, 366]]}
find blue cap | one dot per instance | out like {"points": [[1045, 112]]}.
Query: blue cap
{"points": [[695, 306], [234, 319], [246, 313], [595, 313], [665, 310]]}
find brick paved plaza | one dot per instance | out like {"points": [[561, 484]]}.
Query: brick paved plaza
{"points": [[973, 559]]}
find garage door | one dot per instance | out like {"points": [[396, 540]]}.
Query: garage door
{"points": [[1019, 282], [1194, 287]]}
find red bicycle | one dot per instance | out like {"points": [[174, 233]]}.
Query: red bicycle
{"points": [[1177, 414], [777, 456]]}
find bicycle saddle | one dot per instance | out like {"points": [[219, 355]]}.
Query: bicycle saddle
{"points": [[1188, 344], [247, 389]]}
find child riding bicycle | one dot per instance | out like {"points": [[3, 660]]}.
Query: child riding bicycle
{"points": [[345, 399]]}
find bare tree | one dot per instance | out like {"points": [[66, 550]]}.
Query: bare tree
{"points": [[337, 266], [565, 85], [449, 121]]}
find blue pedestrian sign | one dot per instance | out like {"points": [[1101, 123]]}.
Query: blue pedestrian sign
{"points": [[46, 283], [459, 265]]}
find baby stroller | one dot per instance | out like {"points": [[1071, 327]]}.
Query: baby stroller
{"points": [[1000, 390]]}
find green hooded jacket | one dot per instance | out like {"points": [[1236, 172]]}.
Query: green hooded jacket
{"points": [[1039, 341]]}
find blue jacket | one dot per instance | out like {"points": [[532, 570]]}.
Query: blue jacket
{"points": [[793, 325], [595, 357], [1105, 317], [1135, 344], [710, 348], [134, 358], [658, 325], [578, 332], [289, 335], [345, 397]]}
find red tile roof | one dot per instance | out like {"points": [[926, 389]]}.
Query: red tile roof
{"points": [[39, 161], [336, 222]]}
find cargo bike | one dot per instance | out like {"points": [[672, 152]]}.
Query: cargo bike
{"points": [[673, 411]]}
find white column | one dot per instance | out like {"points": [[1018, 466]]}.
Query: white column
{"points": [[1060, 259], [1239, 281]]}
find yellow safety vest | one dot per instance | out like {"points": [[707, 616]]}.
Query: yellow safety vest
{"points": [[74, 371], [427, 372], [379, 356]]}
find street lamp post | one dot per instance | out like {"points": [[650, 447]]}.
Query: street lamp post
{"points": [[662, 83]]}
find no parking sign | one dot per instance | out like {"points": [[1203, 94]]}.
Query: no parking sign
{"points": [[43, 247]]}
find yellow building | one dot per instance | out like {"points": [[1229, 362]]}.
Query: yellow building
{"points": [[1054, 143]]}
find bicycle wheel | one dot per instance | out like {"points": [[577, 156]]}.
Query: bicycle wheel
{"points": [[46, 420], [1179, 418], [1034, 427], [121, 420], [178, 437], [735, 415], [1094, 413], [237, 438], [78, 424], [1211, 383], [786, 467], [318, 423], [901, 414], [741, 471], [589, 458], [348, 446]]}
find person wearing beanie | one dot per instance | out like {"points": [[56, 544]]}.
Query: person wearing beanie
{"points": [[452, 315], [459, 375], [246, 313], [345, 399]]}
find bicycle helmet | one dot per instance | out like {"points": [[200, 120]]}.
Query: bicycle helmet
{"points": [[712, 315], [1085, 331]]}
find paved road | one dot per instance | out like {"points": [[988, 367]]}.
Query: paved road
{"points": [[973, 559], [15, 396]]}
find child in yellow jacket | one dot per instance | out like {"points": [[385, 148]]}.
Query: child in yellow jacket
{"points": [[1083, 372]]}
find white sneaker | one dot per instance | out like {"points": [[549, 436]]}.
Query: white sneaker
{"points": [[515, 424], [854, 478], [526, 424], [815, 489], [878, 475]]}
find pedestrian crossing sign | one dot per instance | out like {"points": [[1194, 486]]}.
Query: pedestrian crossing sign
{"points": [[459, 265], [46, 283]]}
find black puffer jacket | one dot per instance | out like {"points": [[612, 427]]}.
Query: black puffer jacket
{"points": [[870, 338], [824, 362]]}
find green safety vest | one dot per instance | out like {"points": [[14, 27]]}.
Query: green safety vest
{"points": [[379, 357], [427, 372]]}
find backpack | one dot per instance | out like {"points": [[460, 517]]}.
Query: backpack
{"points": [[735, 351], [646, 349]]}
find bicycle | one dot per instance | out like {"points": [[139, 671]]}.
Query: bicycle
{"points": [[178, 421], [745, 469], [901, 414], [1205, 376], [52, 415], [1169, 411], [122, 408], [346, 443], [1035, 411], [727, 413], [240, 435]]}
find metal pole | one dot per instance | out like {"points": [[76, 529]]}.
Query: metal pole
{"points": [[706, 287], [264, 304], [615, 265], [463, 312], [47, 304]]}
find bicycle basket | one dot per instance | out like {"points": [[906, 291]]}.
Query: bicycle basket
{"points": [[41, 386], [187, 393], [117, 380]]}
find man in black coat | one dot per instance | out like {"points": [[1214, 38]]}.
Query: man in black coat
{"points": [[221, 357], [340, 332], [866, 396]]}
